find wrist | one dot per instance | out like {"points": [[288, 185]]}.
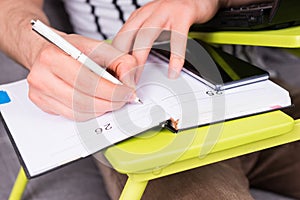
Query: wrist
{"points": [[30, 43], [205, 10], [17, 40]]}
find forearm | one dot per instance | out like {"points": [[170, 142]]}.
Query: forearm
{"points": [[17, 39]]}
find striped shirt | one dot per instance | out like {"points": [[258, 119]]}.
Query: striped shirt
{"points": [[100, 19]]}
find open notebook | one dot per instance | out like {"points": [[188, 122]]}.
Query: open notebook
{"points": [[45, 142]]}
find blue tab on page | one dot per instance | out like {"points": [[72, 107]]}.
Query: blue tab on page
{"points": [[4, 98]]}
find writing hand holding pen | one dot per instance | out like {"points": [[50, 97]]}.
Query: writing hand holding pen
{"points": [[59, 84]]}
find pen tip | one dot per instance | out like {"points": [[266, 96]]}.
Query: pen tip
{"points": [[140, 101]]}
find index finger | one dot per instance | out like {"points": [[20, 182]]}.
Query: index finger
{"points": [[178, 47]]}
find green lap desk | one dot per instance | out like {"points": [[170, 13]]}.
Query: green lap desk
{"points": [[283, 38], [159, 153]]}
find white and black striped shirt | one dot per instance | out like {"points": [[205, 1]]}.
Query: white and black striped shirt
{"points": [[100, 19]]}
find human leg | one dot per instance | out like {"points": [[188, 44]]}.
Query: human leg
{"points": [[277, 169], [222, 180]]}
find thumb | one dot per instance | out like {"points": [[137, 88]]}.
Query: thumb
{"points": [[125, 68]]}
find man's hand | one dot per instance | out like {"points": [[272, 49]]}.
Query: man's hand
{"points": [[60, 85], [146, 24]]}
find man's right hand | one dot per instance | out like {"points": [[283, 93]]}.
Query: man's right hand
{"points": [[59, 84]]}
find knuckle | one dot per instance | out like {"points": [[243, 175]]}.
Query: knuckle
{"points": [[32, 96], [129, 60], [46, 55], [39, 101], [124, 64], [30, 78], [33, 79], [135, 13]]}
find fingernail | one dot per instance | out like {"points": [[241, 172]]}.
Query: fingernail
{"points": [[173, 74], [131, 97], [175, 67]]}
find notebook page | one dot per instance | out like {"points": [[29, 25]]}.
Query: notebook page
{"points": [[40, 137]]}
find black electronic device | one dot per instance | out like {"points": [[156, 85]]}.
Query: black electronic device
{"points": [[268, 14], [212, 66]]}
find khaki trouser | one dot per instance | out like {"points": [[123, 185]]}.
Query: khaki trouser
{"points": [[276, 169]]}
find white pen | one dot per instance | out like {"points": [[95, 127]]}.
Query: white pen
{"points": [[75, 53]]}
